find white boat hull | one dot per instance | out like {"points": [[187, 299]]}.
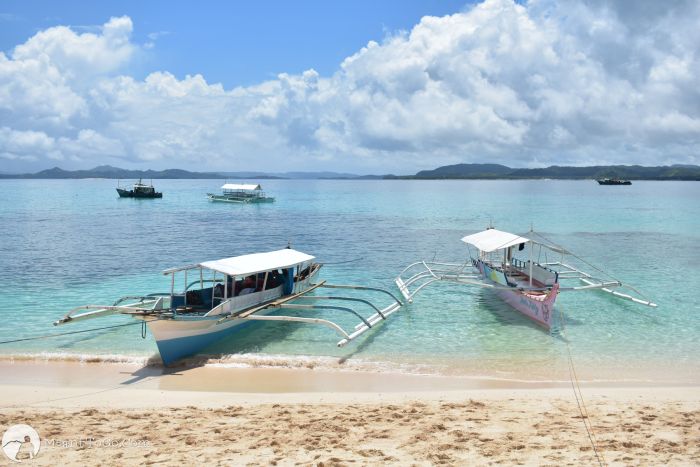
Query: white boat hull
{"points": [[184, 335]]}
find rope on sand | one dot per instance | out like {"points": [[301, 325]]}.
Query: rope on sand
{"points": [[579, 398]]}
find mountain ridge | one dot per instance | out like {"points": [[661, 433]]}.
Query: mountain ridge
{"points": [[455, 171]]}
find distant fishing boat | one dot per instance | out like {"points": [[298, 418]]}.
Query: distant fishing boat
{"points": [[239, 290], [528, 285], [241, 193], [613, 181], [139, 190]]}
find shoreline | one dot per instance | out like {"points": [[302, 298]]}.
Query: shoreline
{"points": [[641, 373], [130, 415], [38, 383]]}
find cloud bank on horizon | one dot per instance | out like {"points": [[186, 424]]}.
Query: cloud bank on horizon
{"points": [[566, 83]]}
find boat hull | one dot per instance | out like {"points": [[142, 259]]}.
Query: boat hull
{"points": [[539, 311], [614, 182], [132, 194], [183, 337], [239, 200], [538, 307]]}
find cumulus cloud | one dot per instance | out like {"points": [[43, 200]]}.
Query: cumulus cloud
{"points": [[536, 84]]}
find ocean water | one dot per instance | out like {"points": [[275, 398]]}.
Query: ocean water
{"points": [[66, 243]]}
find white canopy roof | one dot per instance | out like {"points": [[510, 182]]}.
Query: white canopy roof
{"points": [[492, 240], [236, 186], [257, 262]]}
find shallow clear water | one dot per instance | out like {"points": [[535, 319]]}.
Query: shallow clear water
{"points": [[66, 243]]}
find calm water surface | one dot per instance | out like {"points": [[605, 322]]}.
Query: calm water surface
{"points": [[66, 243]]}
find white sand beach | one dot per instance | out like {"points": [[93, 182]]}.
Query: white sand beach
{"points": [[111, 414]]}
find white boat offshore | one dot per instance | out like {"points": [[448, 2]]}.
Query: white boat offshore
{"points": [[236, 291], [241, 193], [530, 284]]}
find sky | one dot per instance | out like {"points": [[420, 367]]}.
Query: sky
{"points": [[364, 87]]}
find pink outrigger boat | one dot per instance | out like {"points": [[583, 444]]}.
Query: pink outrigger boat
{"points": [[528, 285]]}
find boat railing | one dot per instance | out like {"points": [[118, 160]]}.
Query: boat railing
{"points": [[201, 282], [541, 272], [141, 298], [242, 302]]}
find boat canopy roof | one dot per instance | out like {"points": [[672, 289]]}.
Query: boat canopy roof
{"points": [[257, 262], [491, 240], [237, 186]]}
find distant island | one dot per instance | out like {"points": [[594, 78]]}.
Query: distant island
{"points": [[457, 171], [496, 171]]}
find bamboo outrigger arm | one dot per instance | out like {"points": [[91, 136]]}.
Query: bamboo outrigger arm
{"points": [[146, 305], [287, 303], [570, 272], [359, 287], [623, 295], [440, 273], [432, 272], [364, 326]]}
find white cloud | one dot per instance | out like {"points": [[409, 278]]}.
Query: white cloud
{"points": [[25, 142], [90, 144], [79, 56], [536, 84]]}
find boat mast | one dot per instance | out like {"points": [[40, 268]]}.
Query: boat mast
{"points": [[531, 247]]}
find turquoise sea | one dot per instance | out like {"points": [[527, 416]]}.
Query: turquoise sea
{"points": [[66, 243]]}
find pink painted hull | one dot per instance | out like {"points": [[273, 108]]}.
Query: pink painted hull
{"points": [[540, 311], [539, 308]]}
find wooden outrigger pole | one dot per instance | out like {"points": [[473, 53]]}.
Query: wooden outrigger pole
{"points": [[285, 303]]}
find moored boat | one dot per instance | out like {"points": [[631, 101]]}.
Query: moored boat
{"points": [[613, 181], [239, 290], [241, 193], [139, 190], [527, 285]]}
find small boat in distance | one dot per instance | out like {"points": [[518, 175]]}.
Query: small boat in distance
{"points": [[528, 285], [613, 181], [139, 190], [236, 291], [241, 193]]}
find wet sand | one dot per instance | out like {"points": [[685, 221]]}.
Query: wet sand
{"points": [[113, 414]]}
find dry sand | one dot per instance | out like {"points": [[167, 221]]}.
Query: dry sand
{"points": [[86, 414]]}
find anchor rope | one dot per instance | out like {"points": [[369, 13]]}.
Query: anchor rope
{"points": [[46, 336], [583, 410], [343, 262]]}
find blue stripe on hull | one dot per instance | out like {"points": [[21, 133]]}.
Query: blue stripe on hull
{"points": [[172, 350]]}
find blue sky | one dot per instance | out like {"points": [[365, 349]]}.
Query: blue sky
{"points": [[231, 42], [364, 87]]}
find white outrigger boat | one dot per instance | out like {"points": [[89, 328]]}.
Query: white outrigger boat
{"points": [[240, 289], [529, 285], [241, 193]]}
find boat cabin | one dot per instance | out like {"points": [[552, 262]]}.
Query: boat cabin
{"points": [[232, 284], [497, 259]]}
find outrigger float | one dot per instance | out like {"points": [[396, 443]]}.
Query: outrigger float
{"points": [[239, 290], [530, 286]]}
